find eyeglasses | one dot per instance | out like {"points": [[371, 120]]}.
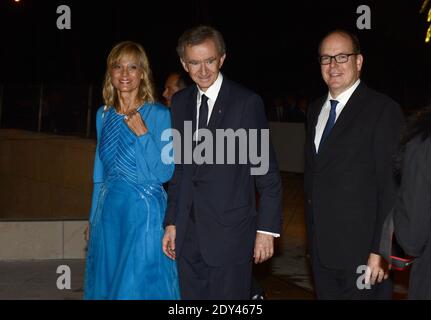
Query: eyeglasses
{"points": [[339, 58]]}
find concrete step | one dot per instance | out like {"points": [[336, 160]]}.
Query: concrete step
{"points": [[37, 280]]}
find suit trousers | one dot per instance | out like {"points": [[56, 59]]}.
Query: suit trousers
{"points": [[199, 281], [342, 284]]}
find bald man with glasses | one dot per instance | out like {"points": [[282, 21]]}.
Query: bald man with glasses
{"points": [[353, 133]]}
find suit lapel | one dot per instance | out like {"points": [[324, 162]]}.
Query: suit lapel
{"points": [[219, 106], [191, 106], [190, 115], [313, 122], [349, 113]]}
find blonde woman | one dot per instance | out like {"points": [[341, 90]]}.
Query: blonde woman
{"points": [[125, 258]]}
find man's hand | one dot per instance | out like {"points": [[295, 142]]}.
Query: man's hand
{"points": [[168, 242], [263, 247], [377, 269], [135, 122]]}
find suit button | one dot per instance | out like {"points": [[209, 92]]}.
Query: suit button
{"points": [[309, 201]]}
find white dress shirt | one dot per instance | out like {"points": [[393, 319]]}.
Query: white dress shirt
{"points": [[342, 99], [212, 94]]}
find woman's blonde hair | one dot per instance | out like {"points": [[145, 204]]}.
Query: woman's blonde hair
{"points": [[146, 88]]}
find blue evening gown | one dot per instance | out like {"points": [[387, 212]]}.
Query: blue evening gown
{"points": [[125, 258]]}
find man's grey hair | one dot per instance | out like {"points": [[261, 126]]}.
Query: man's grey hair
{"points": [[199, 35]]}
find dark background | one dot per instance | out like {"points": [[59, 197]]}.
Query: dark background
{"points": [[271, 45]]}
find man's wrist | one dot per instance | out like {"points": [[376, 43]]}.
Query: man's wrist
{"points": [[275, 235]]}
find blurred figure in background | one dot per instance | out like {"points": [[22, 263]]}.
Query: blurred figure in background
{"points": [[277, 110], [298, 113], [175, 82], [289, 106], [412, 211]]}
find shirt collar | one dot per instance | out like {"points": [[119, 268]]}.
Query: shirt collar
{"points": [[213, 91], [345, 96]]}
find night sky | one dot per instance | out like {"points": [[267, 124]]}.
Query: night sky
{"points": [[271, 45]]}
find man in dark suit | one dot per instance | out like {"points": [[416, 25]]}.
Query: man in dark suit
{"points": [[213, 229], [353, 133]]}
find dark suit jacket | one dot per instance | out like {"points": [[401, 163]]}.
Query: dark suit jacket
{"points": [[223, 195], [412, 215], [349, 184]]}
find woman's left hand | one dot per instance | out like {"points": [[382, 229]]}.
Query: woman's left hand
{"points": [[135, 122]]}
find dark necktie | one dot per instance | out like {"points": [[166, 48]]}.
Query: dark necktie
{"points": [[203, 112], [331, 120]]}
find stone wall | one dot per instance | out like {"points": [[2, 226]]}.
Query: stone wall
{"points": [[44, 177]]}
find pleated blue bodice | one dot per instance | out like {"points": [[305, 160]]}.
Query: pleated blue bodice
{"points": [[117, 150]]}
